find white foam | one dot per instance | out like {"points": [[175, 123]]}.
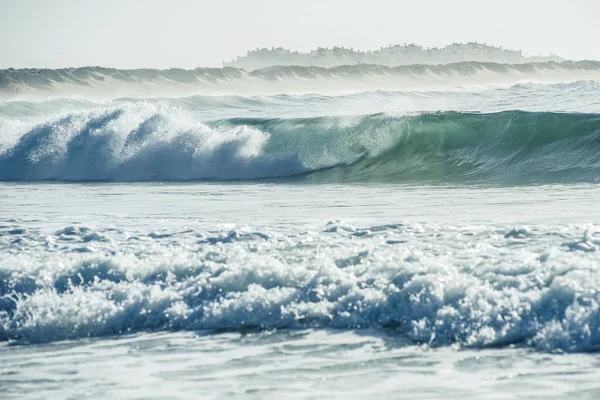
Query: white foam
{"points": [[140, 142], [433, 284]]}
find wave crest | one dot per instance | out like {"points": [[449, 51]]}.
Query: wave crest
{"points": [[110, 82], [145, 142], [140, 143]]}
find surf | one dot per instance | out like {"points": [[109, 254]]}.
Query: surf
{"points": [[423, 283], [149, 142], [110, 83]]}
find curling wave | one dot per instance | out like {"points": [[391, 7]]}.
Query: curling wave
{"points": [[144, 142]]}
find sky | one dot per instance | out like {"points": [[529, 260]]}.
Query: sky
{"points": [[188, 33]]}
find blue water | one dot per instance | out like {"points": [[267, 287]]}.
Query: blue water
{"points": [[420, 243]]}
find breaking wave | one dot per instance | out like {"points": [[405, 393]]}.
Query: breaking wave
{"points": [[476, 287], [109, 82], [145, 142]]}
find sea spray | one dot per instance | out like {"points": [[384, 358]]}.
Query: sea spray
{"points": [[148, 142]]}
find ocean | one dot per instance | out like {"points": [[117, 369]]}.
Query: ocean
{"points": [[297, 232]]}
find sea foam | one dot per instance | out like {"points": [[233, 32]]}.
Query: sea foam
{"points": [[141, 142], [432, 284]]}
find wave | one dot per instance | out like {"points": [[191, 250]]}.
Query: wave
{"points": [[109, 82], [113, 282], [577, 96], [140, 143], [146, 142]]}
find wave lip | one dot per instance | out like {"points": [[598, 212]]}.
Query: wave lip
{"points": [[506, 147], [144, 142]]}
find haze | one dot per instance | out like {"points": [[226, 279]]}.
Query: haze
{"points": [[187, 34]]}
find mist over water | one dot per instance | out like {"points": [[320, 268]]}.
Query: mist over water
{"points": [[107, 83]]}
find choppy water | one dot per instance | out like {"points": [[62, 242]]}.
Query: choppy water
{"points": [[415, 243]]}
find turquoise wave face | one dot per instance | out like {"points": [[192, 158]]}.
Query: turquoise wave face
{"points": [[145, 142], [505, 147]]}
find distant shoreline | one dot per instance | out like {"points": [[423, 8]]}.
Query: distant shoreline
{"points": [[390, 56]]}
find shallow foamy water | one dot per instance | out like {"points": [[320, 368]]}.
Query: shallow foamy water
{"points": [[267, 290]]}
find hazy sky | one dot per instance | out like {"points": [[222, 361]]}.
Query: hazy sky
{"points": [[186, 33]]}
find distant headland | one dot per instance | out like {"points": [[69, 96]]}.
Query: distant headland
{"points": [[390, 56]]}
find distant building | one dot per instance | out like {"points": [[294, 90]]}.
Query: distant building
{"points": [[391, 56]]}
